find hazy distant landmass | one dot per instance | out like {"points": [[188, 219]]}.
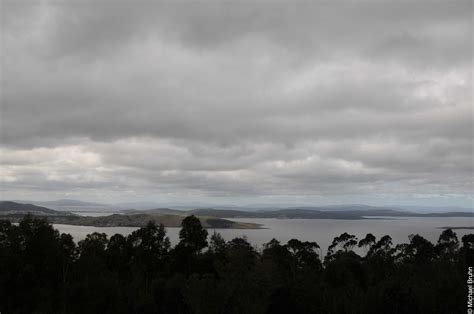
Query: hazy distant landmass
{"points": [[209, 217], [14, 211], [70, 205], [68, 202], [298, 213], [14, 208], [82, 206]]}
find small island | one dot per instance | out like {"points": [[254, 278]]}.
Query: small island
{"points": [[459, 228], [140, 220]]}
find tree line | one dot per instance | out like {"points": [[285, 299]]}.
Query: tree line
{"points": [[44, 271]]}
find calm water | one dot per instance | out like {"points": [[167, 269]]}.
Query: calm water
{"points": [[323, 231]]}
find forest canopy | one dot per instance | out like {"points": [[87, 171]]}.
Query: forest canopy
{"points": [[44, 271]]}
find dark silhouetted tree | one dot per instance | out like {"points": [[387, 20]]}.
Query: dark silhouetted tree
{"points": [[448, 244], [192, 235], [367, 242]]}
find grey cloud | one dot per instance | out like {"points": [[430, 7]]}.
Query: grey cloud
{"points": [[80, 27], [248, 99]]}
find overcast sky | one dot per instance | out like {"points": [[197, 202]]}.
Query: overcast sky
{"points": [[318, 102]]}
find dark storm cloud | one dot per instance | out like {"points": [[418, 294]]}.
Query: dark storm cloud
{"points": [[236, 98]]}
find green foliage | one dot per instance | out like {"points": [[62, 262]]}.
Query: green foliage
{"points": [[42, 271]]}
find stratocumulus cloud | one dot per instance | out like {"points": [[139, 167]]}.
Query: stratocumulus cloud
{"points": [[308, 102]]}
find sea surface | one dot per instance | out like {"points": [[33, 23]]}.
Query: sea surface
{"points": [[322, 231]]}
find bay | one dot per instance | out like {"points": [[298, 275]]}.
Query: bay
{"points": [[322, 231]]}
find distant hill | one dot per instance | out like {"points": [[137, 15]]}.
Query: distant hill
{"points": [[177, 208], [156, 211], [137, 220], [304, 213], [292, 213], [349, 207], [137, 205], [434, 209], [134, 217], [71, 205], [14, 212], [67, 202], [13, 208], [74, 205]]}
